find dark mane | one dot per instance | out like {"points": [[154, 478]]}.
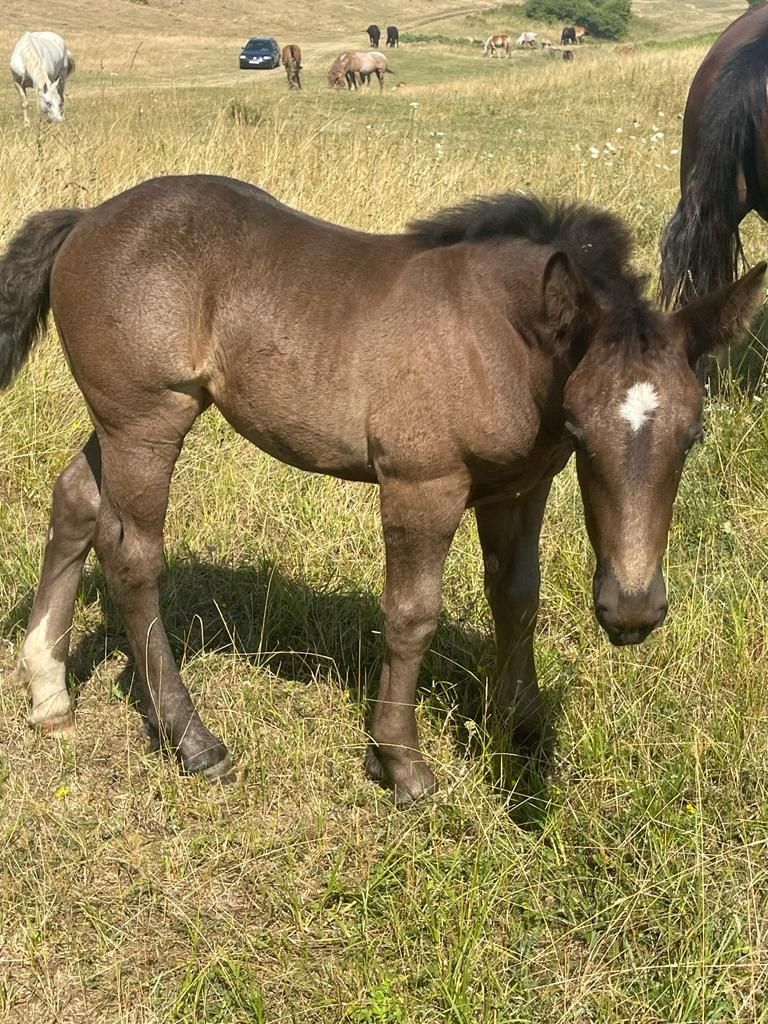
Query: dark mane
{"points": [[598, 242]]}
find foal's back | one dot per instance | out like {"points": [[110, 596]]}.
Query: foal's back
{"points": [[310, 338]]}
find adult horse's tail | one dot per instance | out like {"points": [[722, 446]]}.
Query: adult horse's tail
{"points": [[25, 277], [701, 248]]}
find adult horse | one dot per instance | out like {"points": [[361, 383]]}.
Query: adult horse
{"points": [[511, 333], [359, 66], [374, 35], [527, 39], [723, 163], [291, 58], [568, 37], [499, 41], [41, 60], [393, 35]]}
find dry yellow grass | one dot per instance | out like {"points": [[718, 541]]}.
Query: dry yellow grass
{"points": [[637, 889]]}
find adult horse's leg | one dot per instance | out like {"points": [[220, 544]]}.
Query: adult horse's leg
{"points": [[42, 664], [24, 101], [137, 464], [509, 534], [419, 521], [380, 76]]}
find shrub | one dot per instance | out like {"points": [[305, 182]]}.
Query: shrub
{"points": [[606, 18]]}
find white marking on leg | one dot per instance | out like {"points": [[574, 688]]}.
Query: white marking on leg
{"points": [[50, 534], [639, 402], [45, 675]]}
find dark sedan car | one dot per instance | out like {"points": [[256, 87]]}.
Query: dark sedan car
{"points": [[260, 53]]}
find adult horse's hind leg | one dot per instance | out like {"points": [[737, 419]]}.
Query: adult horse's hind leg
{"points": [[23, 99], [137, 464], [42, 664], [419, 521], [509, 535]]}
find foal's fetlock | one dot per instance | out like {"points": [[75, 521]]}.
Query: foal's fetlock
{"points": [[409, 778]]}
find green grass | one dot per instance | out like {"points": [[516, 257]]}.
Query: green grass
{"points": [[633, 887]]}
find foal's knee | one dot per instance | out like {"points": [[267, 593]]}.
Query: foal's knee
{"points": [[410, 624], [76, 494]]}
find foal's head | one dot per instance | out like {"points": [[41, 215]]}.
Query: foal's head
{"points": [[633, 406], [632, 401]]}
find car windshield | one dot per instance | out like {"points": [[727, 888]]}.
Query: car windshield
{"points": [[262, 45]]}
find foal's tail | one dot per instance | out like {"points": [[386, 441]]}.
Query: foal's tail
{"points": [[25, 276], [701, 248]]}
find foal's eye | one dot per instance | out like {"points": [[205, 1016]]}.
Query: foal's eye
{"points": [[695, 438]]}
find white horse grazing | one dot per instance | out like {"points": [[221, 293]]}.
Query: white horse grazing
{"points": [[42, 60], [527, 39]]}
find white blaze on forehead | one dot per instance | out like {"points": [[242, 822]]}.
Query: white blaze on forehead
{"points": [[639, 402]]}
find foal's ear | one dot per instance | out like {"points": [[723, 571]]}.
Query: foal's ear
{"points": [[570, 307], [722, 317]]}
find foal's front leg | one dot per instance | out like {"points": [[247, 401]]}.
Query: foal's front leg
{"points": [[509, 534], [419, 521]]}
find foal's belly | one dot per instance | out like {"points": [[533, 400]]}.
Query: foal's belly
{"points": [[300, 431]]}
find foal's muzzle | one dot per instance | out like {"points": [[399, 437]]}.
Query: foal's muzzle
{"points": [[628, 617]]}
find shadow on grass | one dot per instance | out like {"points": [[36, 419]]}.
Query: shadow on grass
{"points": [[299, 632]]}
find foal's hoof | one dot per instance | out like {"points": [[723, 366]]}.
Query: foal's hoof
{"points": [[58, 725], [213, 763], [409, 780], [223, 773]]}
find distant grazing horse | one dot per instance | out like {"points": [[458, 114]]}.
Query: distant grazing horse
{"points": [[500, 41], [337, 71], [41, 60], [291, 58], [580, 32], [357, 67], [723, 164], [568, 38], [516, 333], [393, 35], [527, 39], [546, 44], [374, 35]]}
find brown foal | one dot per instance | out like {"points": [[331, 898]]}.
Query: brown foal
{"points": [[509, 334]]}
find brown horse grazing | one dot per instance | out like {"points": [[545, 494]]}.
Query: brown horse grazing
{"points": [[723, 165], [358, 66], [291, 58], [500, 41], [511, 333]]}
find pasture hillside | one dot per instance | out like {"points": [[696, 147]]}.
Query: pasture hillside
{"points": [[633, 885]]}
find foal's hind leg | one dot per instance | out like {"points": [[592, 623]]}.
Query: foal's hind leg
{"points": [[419, 521], [136, 475], [42, 664]]}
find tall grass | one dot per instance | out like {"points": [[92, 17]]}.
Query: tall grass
{"points": [[633, 888]]}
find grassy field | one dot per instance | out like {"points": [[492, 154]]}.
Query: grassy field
{"points": [[634, 888]]}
